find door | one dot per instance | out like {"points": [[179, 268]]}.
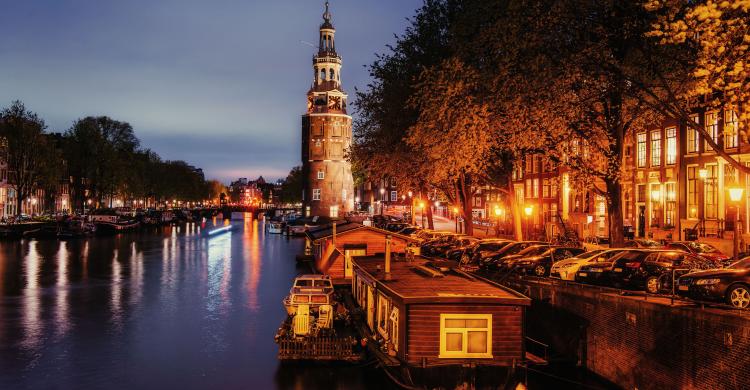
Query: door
{"points": [[348, 260], [641, 221], [370, 308]]}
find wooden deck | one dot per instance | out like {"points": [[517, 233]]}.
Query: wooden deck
{"points": [[319, 348]]}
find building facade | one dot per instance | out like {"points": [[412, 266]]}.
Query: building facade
{"points": [[326, 134]]}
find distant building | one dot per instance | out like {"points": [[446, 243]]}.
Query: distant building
{"points": [[326, 134]]}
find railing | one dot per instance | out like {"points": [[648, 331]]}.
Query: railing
{"points": [[537, 348], [318, 348]]}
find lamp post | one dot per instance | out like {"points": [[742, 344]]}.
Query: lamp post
{"points": [[411, 208], [735, 194], [498, 213], [421, 212], [455, 218], [528, 210], [382, 205]]}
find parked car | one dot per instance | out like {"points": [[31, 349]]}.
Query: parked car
{"points": [[466, 254], [410, 230], [396, 227], [430, 247], [492, 261], [731, 284], [652, 270], [440, 249], [642, 243], [509, 262], [702, 249], [541, 264], [599, 271], [567, 269]]}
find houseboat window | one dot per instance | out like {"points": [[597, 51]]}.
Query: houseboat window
{"points": [[319, 299], [382, 315], [394, 327], [465, 336], [301, 299], [304, 283]]}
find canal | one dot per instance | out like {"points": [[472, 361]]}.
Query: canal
{"points": [[169, 308], [161, 309]]}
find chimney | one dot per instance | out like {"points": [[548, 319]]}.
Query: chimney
{"points": [[387, 256], [333, 240]]}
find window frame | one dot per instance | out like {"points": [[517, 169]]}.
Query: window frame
{"points": [[656, 148], [316, 194], [321, 175], [734, 135], [444, 354], [670, 134], [641, 150]]}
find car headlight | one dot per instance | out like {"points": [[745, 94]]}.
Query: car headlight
{"points": [[703, 282]]}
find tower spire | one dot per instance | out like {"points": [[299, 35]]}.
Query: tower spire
{"points": [[327, 15]]}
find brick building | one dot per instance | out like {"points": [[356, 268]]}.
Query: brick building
{"points": [[326, 134]]}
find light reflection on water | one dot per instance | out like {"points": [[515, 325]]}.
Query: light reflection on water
{"points": [[168, 308]]}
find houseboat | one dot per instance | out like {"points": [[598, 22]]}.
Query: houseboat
{"points": [[275, 227], [333, 247], [431, 318], [312, 291], [107, 223]]}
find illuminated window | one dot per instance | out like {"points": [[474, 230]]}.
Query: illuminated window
{"points": [[712, 128], [656, 148], [536, 188], [641, 150], [321, 175], [334, 212], [394, 196], [710, 193], [671, 145], [692, 136], [545, 188], [465, 336], [382, 319], [730, 129], [692, 192], [670, 204], [316, 194]]}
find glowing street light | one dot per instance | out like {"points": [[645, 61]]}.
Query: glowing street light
{"points": [[528, 210], [735, 194]]}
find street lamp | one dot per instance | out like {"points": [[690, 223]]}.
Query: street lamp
{"points": [[455, 218], [528, 210], [382, 200], [498, 213], [735, 194], [421, 212]]}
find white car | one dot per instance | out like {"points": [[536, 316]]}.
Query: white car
{"points": [[566, 269]]}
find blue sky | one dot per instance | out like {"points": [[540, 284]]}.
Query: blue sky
{"points": [[218, 83]]}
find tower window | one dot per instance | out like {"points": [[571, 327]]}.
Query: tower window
{"points": [[330, 75], [322, 74], [321, 175]]}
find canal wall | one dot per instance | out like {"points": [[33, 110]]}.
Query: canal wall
{"points": [[640, 342]]}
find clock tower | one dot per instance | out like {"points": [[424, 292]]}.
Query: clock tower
{"points": [[326, 134]]}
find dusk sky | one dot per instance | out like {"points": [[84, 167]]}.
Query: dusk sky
{"points": [[220, 84]]}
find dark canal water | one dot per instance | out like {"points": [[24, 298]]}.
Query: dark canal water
{"points": [[166, 309], [171, 309]]}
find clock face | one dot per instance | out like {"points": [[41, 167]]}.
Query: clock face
{"points": [[334, 102]]}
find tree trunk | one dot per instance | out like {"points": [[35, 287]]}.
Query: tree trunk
{"points": [[430, 222], [19, 203], [464, 196], [515, 210], [614, 202]]}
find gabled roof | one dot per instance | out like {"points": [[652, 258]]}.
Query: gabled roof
{"points": [[342, 228]]}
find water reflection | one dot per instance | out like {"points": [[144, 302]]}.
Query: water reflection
{"points": [[169, 308]]}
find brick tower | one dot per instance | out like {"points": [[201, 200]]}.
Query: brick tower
{"points": [[327, 134]]}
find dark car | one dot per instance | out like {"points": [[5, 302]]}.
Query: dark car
{"points": [[460, 242], [641, 243], [466, 254], [541, 264], [652, 271], [396, 227], [703, 250], [439, 245], [509, 262], [598, 271], [494, 261], [731, 284]]}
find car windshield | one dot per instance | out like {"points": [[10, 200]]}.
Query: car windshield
{"points": [[698, 247], [648, 243], [741, 264], [534, 250], [589, 254], [492, 246]]}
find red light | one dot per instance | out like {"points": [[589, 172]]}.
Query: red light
{"points": [[633, 264]]}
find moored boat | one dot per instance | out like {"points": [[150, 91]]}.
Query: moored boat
{"points": [[275, 227], [113, 223]]}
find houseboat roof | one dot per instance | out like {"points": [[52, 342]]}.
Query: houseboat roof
{"points": [[423, 280], [327, 231]]}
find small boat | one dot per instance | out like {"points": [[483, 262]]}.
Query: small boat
{"points": [[113, 223], [76, 228], [311, 291], [47, 231], [275, 227]]}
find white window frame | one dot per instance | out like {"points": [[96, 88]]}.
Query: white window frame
{"points": [[382, 314], [333, 211], [463, 354], [693, 137], [671, 145], [656, 148], [321, 175], [316, 194], [394, 196]]}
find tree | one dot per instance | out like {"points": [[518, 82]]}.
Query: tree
{"points": [[215, 189], [26, 154], [454, 131], [291, 189]]}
